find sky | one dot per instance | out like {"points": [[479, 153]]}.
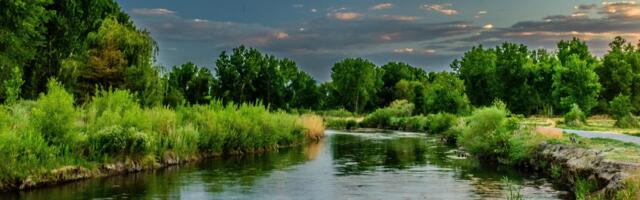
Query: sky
{"points": [[427, 34]]}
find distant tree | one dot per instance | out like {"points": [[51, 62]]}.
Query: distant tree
{"points": [[576, 82], [355, 81], [446, 94], [620, 109], [620, 72], [12, 85], [567, 48], [393, 72], [477, 68], [545, 65], [119, 57], [235, 74], [192, 82], [513, 72]]}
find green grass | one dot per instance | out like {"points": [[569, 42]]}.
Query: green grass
{"points": [[49, 133]]}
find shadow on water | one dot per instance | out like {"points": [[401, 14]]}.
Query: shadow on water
{"points": [[355, 166]]}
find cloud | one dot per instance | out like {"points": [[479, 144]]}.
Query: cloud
{"points": [[345, 16], [404, 50], [282, 35], [401, 17], [441, 8], [585, 7], [152, 11], [297, 6], [621, 10], [487, 26], [313, 10], [381, 6], [481, 13]]}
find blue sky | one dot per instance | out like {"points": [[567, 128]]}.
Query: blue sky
{"points": [[427, 34]]}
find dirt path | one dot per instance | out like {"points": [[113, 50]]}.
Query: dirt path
{"points": [[598, 134]]}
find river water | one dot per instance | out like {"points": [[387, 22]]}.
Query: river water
{"points": [[342, 166]]}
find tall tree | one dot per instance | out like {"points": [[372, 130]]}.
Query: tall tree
{"points": [[576, 82], [477, 69], [394, 72], [193, 82], [355, 81], [620, 72], [446, 94], [575, 46], [22, 34], [513, 67]]}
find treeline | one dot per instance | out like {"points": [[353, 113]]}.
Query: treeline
{"points": [[93, 45]]}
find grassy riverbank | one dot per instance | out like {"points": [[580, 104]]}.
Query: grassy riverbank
{"points": [[38, 137], [494, 134]]}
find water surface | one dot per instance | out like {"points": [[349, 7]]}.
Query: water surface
{"points": [[342, 166]]}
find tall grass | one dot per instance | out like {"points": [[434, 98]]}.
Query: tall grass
{"points": [[39, 136]]}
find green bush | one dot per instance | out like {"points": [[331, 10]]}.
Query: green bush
{"points": [[381, 118], [575, 117], [336, 113], [441, 122], [487, 133], [522, 146], [54, 116], [116, 140], [620, 109], [341, 123]]}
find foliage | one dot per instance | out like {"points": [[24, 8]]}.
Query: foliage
{"points": [[54, 114], [192, 82], [576, 83], [341, 123], [12, 86], [477, 69], [393, 74], [381, 118], [487, 133], [575, 117], [620, 109], [357, 82], [446, 94]]}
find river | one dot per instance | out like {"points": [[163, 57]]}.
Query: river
{"points": [[341, 166]]}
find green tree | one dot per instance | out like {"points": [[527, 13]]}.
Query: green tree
{"points": [[620, 109], [619, 72], [22, 34], [355, 80], [392, 73], [477, 68], [576, 82], [446, 94], [567, 48], [545, 65], [193, 82], [513, 72], [235, 74]]}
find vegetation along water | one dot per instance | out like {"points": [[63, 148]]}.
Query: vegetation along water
{"points": [[83, 98]]}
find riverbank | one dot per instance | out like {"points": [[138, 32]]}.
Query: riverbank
{"points": [[590, 168], [51, 141]]}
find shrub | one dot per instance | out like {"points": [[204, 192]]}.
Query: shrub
{"points": [[341, 123], [314, 126], [439, 123], [487, 133], [115, 107], [381, 118], [522, 145], [54, 115], [116, 140], [336, 113], [620, 109], [575, 117]]}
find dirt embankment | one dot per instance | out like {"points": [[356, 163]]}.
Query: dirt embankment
{"points": [[567, 164]]}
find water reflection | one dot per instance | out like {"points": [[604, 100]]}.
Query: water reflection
{"points": [[343, 166]]}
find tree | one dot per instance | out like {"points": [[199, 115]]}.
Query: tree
{"points": [[576, 82], [192, 82], [355, 81], [235, 74], [477, 68], [545, 65], [119, 57], [392, 73], [513, 72], [446, 94], [567, 48], [12, 86], [619, 72], [22, 34], [620, 109]]}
